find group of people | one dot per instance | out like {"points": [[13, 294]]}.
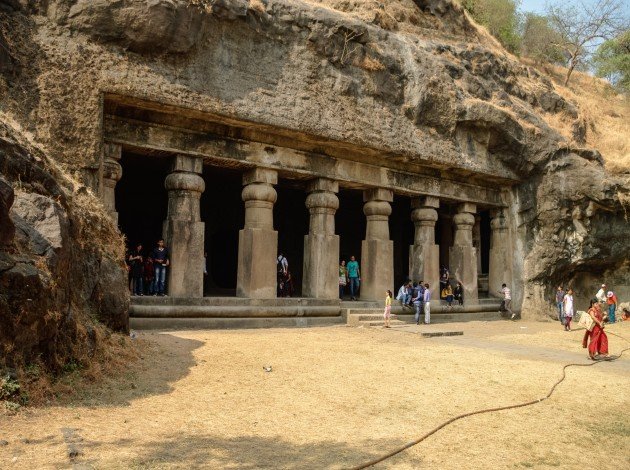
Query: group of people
{"points": [[349, 275], [147, 274], [414, 295], [606, 301]]}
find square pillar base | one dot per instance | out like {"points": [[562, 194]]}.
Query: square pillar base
{"points": [[321, 267], [377, 269], [257, 263], [424, 265], [185, 242], [463, 268], [499, 270]]}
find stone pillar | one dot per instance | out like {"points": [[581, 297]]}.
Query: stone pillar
{"points": [[477, 242], [463, 256], [183, 229], [377, 250], [258, 241], [112, 172], [424, 254], [321, 245], [500, 269]]}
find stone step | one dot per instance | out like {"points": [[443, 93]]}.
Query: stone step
{"points": [[231, 311], [366, 316], [230, 323]]}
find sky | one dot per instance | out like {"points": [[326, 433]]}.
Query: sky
{"points": [[538, 6]]}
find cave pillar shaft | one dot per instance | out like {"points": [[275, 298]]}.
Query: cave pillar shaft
{"points": [[112, 172], [500, 269], [463, 255], [183, 229], [424, 254], [377, 250], [258, 241], [321, 245]]}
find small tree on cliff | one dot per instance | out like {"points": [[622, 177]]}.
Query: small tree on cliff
{"points": [[612, 61], [539, 40], [582, 28], [501, 17]]}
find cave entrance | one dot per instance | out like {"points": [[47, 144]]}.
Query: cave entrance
{"points": [[401, 230], [223, 213], [483, 251], [291, 220], [350, 225], [141, 200]]}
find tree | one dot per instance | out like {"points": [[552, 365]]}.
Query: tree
{"points": [[612, 61], [501, 17], [539, 39], [583, 27]]}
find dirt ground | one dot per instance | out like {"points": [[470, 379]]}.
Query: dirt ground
{"points": [[337, 397]]}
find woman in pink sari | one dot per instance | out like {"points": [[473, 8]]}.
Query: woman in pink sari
{"points": [[598, 339]]}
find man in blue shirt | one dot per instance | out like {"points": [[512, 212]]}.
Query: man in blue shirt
{"points": [[354, 277]]}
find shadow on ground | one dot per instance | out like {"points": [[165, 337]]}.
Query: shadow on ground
{"points": [[252, 452], [164, 360]]}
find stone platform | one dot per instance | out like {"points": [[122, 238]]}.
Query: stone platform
{"points": [[150, 312]]}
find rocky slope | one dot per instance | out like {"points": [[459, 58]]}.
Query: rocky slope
{"points": [[415, 80], [62, 279]]}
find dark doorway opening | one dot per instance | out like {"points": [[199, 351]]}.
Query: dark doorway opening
{"points": [[141, 200], [291, 220], [444, 233], [485, 241], [402, 233], [350, 224], [223, 212]]}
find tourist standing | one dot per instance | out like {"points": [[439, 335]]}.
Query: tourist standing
{"points": [[611, 300], [149, 275], [459, 293], [160, 262], [343, 278], [598, 339], [416, 300], [426, 299], [568, 309], [601, 294], [354, 277], [283, 271], [137, 270], [559, 303], [388, 307], [507, 300]]}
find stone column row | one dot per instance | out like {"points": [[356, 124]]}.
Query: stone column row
{"points": [[257, 251]]}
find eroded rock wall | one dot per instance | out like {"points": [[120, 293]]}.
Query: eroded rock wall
{"points": [[414, 79]]}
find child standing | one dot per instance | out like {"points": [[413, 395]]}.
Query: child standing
{"points": [[568, 309], [388, 307]]}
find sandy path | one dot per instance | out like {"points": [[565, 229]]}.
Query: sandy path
{"points": [[336, 397]]}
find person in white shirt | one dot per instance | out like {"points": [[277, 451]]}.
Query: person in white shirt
{"points": [[507, 300], [568, 309], [601, 294]]}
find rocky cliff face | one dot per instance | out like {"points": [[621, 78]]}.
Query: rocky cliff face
{"points": [[413, 80], [61, 272]]}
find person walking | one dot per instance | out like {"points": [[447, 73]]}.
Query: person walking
{"points": [[388, 307], [160, 262], [507, 300], [137, 270], [611, 301], [559, 303], [601, 294], [343, 278], [598, 344], [354, 277], [568, 309], [283, 271], [426, 300]]}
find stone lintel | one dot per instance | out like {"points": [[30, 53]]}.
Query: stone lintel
{"points": [[187, 163], [260, 175], [112, 151], [425, 201], [468, 207], [378, 194], [322, 184]]}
